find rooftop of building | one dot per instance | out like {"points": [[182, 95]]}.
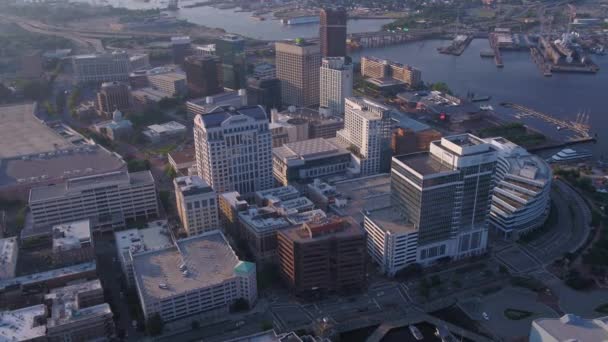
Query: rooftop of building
{"points": [[219, 115], [521, 162], [22, 133], [367, 108], [424, 163], [297, 42], [48, 275], [187, 155], [101, 180], [72, 235], [192, 185], [404, 121], [385, 82], [114, 125], [231, 37], [390, 220], [180, 40], [167, 127], [268, 336], [149, 93], [66, 307], [281, 193], [25, 324], [8, 257], [233, 198], [324, 228], [155, 235], [309, 149], [574, 328], [197, 262], [226, 98], [59, 165], [465, 140], [360, 194], [169, 76]]}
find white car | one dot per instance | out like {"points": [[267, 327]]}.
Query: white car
{"points": [[485, 316]]}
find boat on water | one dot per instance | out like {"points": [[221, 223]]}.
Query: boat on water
{"points": [[488, 107], [568, 154], [416, 333]]}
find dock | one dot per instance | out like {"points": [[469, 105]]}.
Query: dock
{"points": [[459, 44], [539, 60], [580, 129], [494, 45]]}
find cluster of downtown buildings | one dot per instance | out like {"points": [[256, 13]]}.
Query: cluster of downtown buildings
{"points": [[317, 196]]}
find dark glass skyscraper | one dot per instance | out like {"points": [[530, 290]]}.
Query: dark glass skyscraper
{"points": [[204, 74], [332, 32], [231, 50]]}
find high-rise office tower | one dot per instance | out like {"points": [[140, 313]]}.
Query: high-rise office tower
{"points": [[332, 32], [298, 69], [234, 149], [230, 49], [336, 83], [265, 92], [180, 49], [366, 133], [204, 75], [106, 67], [445, 194]]}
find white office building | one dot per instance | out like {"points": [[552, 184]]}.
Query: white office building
{"points": [[366, 133], [392, 243], [155, 235], [25, 324], [336, 84], [107, 67], [197, 205], [108, 200], [569, 327], [522, 196], [200, 275], [234, 149]]}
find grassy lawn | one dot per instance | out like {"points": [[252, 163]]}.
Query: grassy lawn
{"points": [[516, 315], [603, 309]]}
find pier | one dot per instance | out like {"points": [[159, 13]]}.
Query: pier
{"points": [[494, 45], [459, 44], [582, 130]]}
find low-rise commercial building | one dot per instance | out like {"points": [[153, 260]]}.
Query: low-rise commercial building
{"points": [[115, 129], [30, 289], [25, 324], [323, 256], [107, 67], [392, 243], [34, 153], [200, 275], [172, 83], [379, 69], [73, 243], [78, 313], [405, 140], [309, 159], [569, 327], [155, 235], [167, 130], [9, 252], [108, 200], [197, 205], [182, 160]]}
